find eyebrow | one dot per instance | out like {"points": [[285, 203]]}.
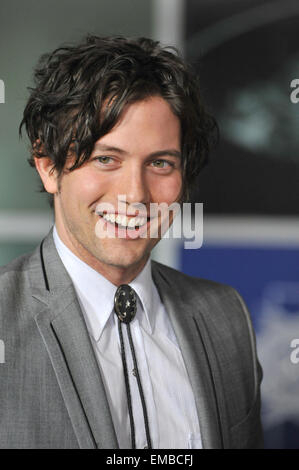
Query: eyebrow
{"points": [[158, 153]]}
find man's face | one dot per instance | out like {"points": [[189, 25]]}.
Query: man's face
{"points": [[140, 160]]}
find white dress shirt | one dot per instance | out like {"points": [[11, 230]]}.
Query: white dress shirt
{"points": [[170, 404]]}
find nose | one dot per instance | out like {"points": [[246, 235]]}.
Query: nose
{"points": [[134, 184]]}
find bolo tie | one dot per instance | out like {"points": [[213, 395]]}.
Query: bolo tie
{"points": [[125, 306]]}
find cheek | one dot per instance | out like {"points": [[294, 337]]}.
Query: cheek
{"points": [[85, 188], [168, 189]]}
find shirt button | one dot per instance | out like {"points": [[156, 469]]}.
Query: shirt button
{"points": [[134, 372]]}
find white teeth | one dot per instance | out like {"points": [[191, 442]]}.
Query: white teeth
{"points": [[110, 217], [132, 222], [118, 219], [124, 220]]}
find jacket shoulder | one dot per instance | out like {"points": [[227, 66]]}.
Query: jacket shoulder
{"points": [[17, 265], [219, 304], [14, 285], [195, 284], [14, 272]]}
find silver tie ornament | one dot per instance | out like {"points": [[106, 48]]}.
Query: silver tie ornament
{"points": [[125, 303]]}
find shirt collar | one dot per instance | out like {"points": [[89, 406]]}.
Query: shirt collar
{"points": [[96, 293]]}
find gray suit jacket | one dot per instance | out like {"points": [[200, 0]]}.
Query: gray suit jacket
{"points": [[51, 390]]}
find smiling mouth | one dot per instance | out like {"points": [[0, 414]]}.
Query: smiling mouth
{"points": [[125, 222]]}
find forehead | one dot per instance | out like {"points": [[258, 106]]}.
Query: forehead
{"points": [[149, 122]]}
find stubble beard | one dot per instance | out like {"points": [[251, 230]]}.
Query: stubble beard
{"points": [[112, 253]]}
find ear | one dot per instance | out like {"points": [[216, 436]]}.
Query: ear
{"points": [[44, 166]]}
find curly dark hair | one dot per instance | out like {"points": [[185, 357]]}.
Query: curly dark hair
{"points": [[66, 110]]}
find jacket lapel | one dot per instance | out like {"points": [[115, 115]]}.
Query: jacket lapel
{"points": [[61, 324], [198, 356], [63, 329]]}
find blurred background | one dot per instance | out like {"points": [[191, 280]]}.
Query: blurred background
{"points": [[246, 53]]}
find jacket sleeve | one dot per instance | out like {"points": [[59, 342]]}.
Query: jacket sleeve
{"points": [[249, 432]]}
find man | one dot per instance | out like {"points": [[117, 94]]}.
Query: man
{"points": [[117, 125]]}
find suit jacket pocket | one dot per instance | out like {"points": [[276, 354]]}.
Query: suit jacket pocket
{"points": [[248, 434]]}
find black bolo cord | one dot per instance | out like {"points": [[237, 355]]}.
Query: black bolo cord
{"points": [[148, 437], [129, 399], [125, 306]]}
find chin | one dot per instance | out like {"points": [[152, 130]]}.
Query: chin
{"points": [[122, 260]]}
